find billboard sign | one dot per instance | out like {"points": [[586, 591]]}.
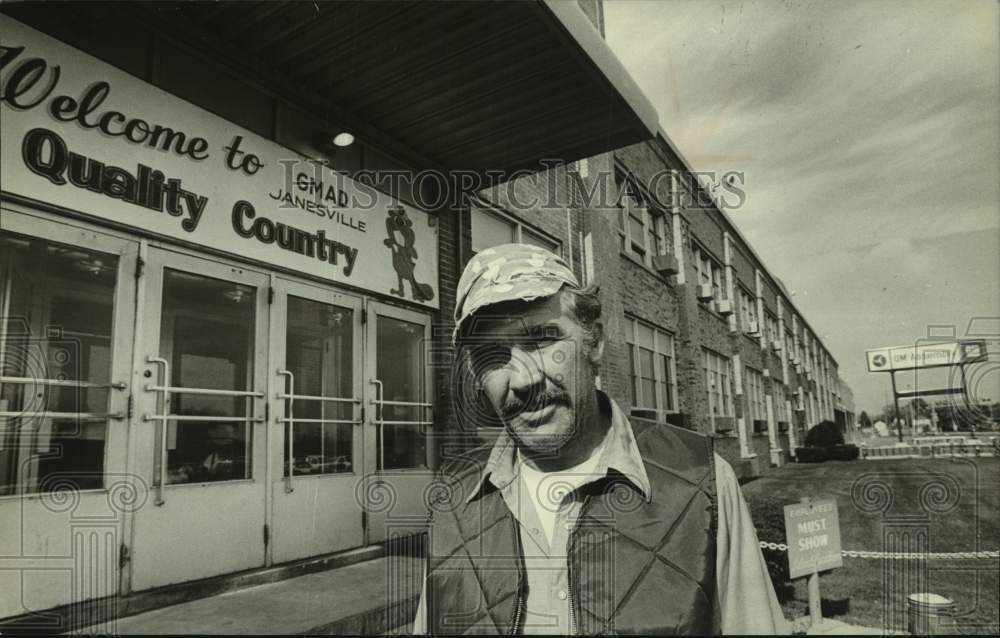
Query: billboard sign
{"points": [[926, 355]]}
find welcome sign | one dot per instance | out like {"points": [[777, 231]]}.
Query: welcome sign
{"points": [[85, 136]]}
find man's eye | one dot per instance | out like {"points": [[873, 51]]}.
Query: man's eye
{"points": [[545, 337], [491, 357]]}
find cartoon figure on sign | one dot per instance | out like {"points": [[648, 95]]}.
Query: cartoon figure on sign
{"points": [[400, 241]]}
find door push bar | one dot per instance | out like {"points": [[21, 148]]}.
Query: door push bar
{"points": [[163, 415], [381, 423], [289, 429], [62, 383], [290, 420]]}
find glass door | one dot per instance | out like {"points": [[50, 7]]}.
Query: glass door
{"points": [[66, 316], [200, 429], [317, 449], [400, 420]]}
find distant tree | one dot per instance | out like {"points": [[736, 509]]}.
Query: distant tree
{"points": [[824, 434], [864, 419], [920, 407], [888, 413]]}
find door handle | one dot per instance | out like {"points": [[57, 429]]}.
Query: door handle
{"points": [[377, 413], [289, 429], [164, 366]]}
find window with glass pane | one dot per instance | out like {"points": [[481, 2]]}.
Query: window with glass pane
{"points": [[401, 439], [653, 229], [704, 268], [717, 283], [320, 355], [650, 353], [623, 205], [717, 377], [207, 337], [489, 230], [529, 237], [647, 378], [637, 231], [755, 390], [56, 309], [632, 386], [724, 394], [666, 383]]}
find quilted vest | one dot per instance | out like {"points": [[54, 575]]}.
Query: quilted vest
{"points": [[634, 567]]}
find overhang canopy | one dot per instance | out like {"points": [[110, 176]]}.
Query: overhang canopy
{"points": [[467, 85]]}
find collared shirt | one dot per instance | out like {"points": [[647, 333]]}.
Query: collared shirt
{"points": [[746, 596]]}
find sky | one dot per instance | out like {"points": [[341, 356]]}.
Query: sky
{"points": [[869, 136]]}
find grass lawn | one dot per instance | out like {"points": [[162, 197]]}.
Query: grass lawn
{"points": [[943, 505]]}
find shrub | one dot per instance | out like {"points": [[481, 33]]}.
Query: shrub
{"points": [[768, 514], [844, 452], [812, 454], [824, 434]]}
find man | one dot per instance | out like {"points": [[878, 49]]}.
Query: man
{"points": [[577, 519]]}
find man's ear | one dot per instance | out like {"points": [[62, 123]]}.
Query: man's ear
{"points": [[597, 351]]}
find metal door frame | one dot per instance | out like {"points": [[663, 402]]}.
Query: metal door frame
{"points": [[28, 221], [281, 422], [156, 388], [409, 482]]}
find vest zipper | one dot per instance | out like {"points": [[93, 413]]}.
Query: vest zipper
{"points": [[515, 624], [515, 621], [572, 607], [569, 570]]}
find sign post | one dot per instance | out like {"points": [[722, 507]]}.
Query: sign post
{"points": [[812, 528]]}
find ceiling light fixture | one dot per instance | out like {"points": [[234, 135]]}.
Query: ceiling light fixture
{"points": [[92, 265], [236, 295], [343, 139]]}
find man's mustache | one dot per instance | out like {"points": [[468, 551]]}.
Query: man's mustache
{"points": [[514, 405]]}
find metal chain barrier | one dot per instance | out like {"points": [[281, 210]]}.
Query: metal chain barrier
{"points": [[860, 553]]}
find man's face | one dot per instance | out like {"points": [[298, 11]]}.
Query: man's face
{"points": [[536, 368]]}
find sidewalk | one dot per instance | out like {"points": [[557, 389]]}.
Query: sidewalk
{"points": [[367, 598], [831, 627]]}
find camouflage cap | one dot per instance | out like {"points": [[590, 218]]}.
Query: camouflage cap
{"points": [[509, 272]]}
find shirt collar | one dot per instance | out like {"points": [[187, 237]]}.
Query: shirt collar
{"points": [[620, 453]]}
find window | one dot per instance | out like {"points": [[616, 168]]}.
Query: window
{"points": [[207, 336], [320, 347], [709, 273], [492, 229], [718, 377], [56, 309], [401, 442], [642, 229], [755, 395], [748, 311], [770, 328], [651, 363]]}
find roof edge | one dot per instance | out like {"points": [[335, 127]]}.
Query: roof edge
{"points": [[578, 27]]}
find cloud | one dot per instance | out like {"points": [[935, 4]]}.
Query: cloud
{"points": [[870, 138]]}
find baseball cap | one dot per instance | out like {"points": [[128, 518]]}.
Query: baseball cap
{"points": [[509, 272]]}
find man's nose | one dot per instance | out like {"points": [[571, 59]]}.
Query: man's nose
{"points": [[526, 369]]}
